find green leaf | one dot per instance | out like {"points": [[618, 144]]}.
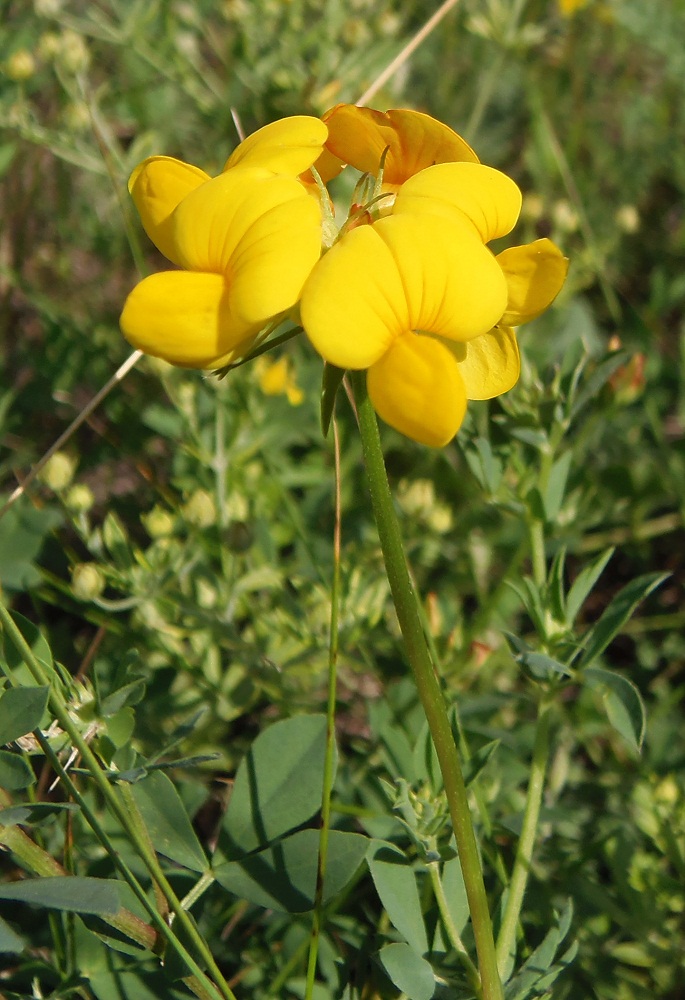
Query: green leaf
{"points": [[396, 885], [410, 973], [283, 877], [29, 813], [553, 497], [455, 893], [21, 711], [10, 942], [555, 586], [538, 973], [616, 615], [66, 892], [599, 377], [23, 530], [277, 786], [484, 465], [15, 773], [583, 584], [167, 821], [330, 383], [39, 647], [537, 666], [623, 704], [128, 694], [116, 541], [478, 760]]}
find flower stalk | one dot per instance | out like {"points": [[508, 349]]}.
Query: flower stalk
{"points": [[406, 604]]}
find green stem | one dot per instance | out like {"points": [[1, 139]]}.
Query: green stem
{"points": [[524, 851], [406, 604], [329, 762], [452, 932]]}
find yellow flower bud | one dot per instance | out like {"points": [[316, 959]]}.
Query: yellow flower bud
{"points": [[200, 510], [59, 471], [20, 66], [158, 522], [87, 581], [79, 498]]}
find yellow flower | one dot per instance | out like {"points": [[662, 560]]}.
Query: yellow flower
{"points": [[247, 241], [420, 301], [276, 378], [360, 136]]}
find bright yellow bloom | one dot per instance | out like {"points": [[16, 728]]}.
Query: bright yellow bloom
{"points": [[360, 137], [276, 378], [420, 301], [247, 240]]}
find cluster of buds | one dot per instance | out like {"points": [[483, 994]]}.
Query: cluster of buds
{"points": [[406, 288]]}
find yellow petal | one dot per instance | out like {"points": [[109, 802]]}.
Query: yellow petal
{"points": [[417, 389], [489, 365], [287, 146], [353, 303], [186, 319], [262, 231], [157, 186], [487, 197], [452, 284], [535, 274], [359, 136]]}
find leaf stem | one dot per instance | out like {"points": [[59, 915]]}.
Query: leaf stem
{"points": [[329, 762], [428, 686], [526, 844]]}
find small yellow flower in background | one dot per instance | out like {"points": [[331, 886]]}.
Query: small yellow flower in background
{"points": [[276, 378], [569, 7], [20, 66]]}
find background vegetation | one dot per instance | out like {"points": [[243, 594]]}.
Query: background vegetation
{"points": [[177, 553]]}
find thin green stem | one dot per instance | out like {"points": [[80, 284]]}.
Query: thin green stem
{"points": [[524, 851], [428, 686], [452, 932], [329, 762]]}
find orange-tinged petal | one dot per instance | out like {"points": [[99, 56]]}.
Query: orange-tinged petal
{"points": [[260, 230], [452, 284], [287, 146], [353, 304], [535, 274], [158, 185], [359, 136], [416, 387], [487, 197], [185, 318], [489, 365]]}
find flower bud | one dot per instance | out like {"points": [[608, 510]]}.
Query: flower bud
{"points": [[158, 522], [79, 498], [200, 510], [58, 471], [20, 66], [87, 581]]}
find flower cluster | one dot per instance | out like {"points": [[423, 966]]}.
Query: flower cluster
{"points": [[407, 288]]}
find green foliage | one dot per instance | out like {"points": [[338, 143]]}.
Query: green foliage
{"points": [[170, 570]]}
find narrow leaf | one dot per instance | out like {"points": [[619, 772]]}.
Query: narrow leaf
{"points": [[330, 383], [65, 892], [167, 821], [583, 584], [622, 702], [10, 942], [21, 711], [396, 885], [616, 615], [553, 497], [599, 377]]}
